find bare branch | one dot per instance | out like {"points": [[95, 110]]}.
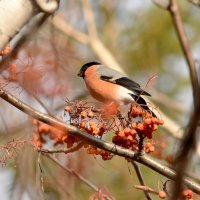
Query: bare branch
{"points": [[161, 4], [66, 151], [145, 189], [94, 40], [40, 179], [188, 141], [49, 112], [70, 30], [141, 179], [90, 19], [168, 102], [146, 160], [178, 24], [187, 145]]}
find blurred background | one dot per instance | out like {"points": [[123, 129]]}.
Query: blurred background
{"points": [[141, 38]]}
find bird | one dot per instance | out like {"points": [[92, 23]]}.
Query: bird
{"points": [[108, 85]]}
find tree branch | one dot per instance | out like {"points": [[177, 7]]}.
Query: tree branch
{"points": [[146, 189], [188, 141], [90, 19], [141, 179], [94, 41], [145, 160], [178, 24], [187, 145], [66, 28]]}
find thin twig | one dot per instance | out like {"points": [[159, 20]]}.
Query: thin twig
{"points": [[80, 177], [169, 103], [57, 182], [178, 24], [49, 112], [40, 178], [64, 150], [145, 160], [65, 27], [188, 141], [141, 179], [89, 18], [94, 41], [187, 145], [145, 189], [141, 145], [160, 4], [88, 183]]}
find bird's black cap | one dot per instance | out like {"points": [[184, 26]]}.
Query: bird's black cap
{"points": [[86, 66]]}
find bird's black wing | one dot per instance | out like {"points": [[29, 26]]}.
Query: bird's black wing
{"points": [[127, 83]]}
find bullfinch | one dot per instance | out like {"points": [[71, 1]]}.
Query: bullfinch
{"points": [[108, 85]]}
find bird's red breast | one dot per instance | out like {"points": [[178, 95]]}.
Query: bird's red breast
{"points": [[99, 89]]}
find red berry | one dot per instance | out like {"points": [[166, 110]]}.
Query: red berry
{"points": [[140, 126], [130, 138], [121, 134], [90, 114], [162, 194], [82, 124], [161, 121], [134, 124], [147, 121], [67, 108], [83, 114]]}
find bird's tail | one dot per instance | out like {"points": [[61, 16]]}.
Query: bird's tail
{"points": [[142, 103]]}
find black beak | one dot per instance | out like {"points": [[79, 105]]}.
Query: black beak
{"points": [[80, 74]]}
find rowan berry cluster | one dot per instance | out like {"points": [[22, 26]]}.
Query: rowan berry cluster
{"points": [[45, 131], [147, 123], [129, 131], [86, 118], [149, 147], [90, 120], [139, 124], [95, 151]]}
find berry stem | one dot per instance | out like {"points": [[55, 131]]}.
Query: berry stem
{"points": [[141, 145]]}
